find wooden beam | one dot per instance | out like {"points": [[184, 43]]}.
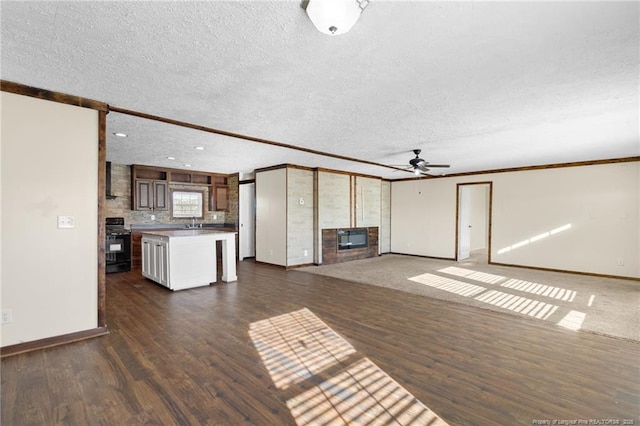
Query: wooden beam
{"points": [[48, 95]]}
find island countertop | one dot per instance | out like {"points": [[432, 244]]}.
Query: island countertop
{"points": [[186, 232], [145, 227]]}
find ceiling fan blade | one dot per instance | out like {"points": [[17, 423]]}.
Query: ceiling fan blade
{"points": [[437, 165]]}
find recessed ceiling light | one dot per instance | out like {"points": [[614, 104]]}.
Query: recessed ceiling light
{"points": [[120, 135], [171, 158], [199, 148], [187, 165]]}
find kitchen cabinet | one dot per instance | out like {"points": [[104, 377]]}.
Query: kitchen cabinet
{"points": [[136, 250], [150, 187], [151, 195], [155, 260], [137, 232], [219, 200], [180, 259]]}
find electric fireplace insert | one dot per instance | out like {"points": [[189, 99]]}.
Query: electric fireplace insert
{"points": [[355, 238]]}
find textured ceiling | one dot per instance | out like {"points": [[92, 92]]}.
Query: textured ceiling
{"points": [[478, 85]]}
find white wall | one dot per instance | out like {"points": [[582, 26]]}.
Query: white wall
{"points": [[271, 217], [600, 203], [333, 206], [368, 202], [49, 167], [300, 210], [423, 217], [384, 237]]}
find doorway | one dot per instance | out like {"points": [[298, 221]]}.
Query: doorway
{"points": [[247, 225], [473, 221]]}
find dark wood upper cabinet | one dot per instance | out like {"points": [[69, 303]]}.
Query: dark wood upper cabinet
{"points": [[150, 195], [143, 194], [219, 198], [150, 187], [160, 195]]}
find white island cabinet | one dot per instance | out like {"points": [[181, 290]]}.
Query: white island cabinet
{"points": [[187, 258]]}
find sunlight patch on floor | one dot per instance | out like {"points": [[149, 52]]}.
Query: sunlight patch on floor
{"points": [[573, 320], [472, 275], [540, 289], [297, 345], [448, 284], [530, 307], [362, 394]]}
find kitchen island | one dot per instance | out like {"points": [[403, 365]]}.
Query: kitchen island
{"points": [[186, 258]]}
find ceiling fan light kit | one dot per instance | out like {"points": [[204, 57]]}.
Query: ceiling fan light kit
{"points": [[335, 17], [419, 166]]}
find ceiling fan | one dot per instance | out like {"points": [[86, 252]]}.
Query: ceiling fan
{"points": [[420, 166]]}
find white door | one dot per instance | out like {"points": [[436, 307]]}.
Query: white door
{"points": [[464, 222], [247, 228]]}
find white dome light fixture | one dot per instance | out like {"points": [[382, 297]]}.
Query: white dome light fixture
{"points": [[335, 17]]}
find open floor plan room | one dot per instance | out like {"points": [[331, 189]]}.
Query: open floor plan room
{"points": [[289, 347]]}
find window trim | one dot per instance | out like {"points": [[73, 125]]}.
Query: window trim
{"points": [[202, 204]]}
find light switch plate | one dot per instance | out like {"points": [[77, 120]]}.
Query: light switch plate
{"points": [[7, 316], [66, 222]]}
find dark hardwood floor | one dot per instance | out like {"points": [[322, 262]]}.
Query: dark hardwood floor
{"points": [[188, 358]]}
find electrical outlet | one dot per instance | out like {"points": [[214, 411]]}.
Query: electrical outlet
{"points": [[66, 222], [620, 261], [7, 316], [306, 253]]}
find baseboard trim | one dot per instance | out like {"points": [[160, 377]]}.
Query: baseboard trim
{"points": [[48, 342], [589, 274], [300, 266], [270, 264], [424, 257]]}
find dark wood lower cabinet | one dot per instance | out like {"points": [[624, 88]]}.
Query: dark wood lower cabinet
{"points": [[136, 250]]}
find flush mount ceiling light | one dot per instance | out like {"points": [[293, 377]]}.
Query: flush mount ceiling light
{"points": [[335, 17], [199, 148], [120, 135]]}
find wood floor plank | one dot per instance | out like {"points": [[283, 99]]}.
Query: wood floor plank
{"points": [[66, 398], [188, 358]]}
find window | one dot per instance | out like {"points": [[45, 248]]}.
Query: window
{"points": [[187, 204]]}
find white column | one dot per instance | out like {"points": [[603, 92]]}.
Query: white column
{"points": [[229, 258]]}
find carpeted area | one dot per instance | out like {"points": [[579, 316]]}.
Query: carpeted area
{"points": [[605, 306]]}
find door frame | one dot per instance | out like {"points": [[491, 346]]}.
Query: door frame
{"points": [[489, 214], [240, 204]]}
